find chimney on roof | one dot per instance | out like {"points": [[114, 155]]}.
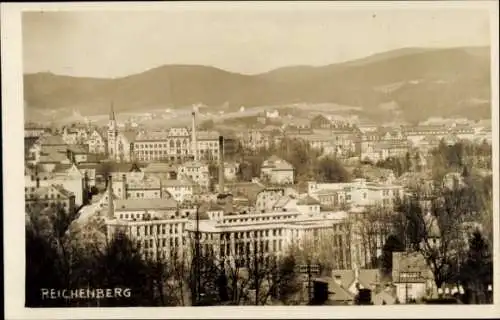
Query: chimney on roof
{"points": [[193, 136], [111, 209], [221, 164]]}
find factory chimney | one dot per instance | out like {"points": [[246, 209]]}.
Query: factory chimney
{"points": [[111, 209], [221, 164], [193, 138]]}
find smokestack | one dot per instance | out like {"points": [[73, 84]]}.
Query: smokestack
{"points": [[124, 178], [221, 164], [193, 139], [111, 209]]}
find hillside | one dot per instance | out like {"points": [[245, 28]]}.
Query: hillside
{"points": [[419, 82]]}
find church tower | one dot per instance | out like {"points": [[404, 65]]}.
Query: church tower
{"points": [[112, 135]]}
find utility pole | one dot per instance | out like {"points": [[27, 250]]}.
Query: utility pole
{"points": [[256, 271], [310, 270]]}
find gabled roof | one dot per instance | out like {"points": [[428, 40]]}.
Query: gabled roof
{"points": [[168, 183], [346, 276], [277, 163], [368, 277], [63, 191], [409, 262], [308, 201], [78, 148], [53, 158], [337, 293], [207, 135], [51, 140], [160, 167], [129, 135], [145, 204]]}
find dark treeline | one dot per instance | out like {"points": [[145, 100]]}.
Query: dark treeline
{"points": [[444, 158], [57, 259], [451, 229], [309, 163]]}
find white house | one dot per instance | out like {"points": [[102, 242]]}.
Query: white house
{"points": [[277, 171]]}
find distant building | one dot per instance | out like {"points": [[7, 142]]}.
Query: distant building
{"points": [[70, 179], [34, 131], [97, 142], [179, 190], [49, 196], [173, 145], [196, 171], [277, 170]]}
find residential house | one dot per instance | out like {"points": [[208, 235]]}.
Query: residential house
{"points": [[179, 190], [277, 171], [411, 276], [49, 196], [267, 199], [97, 141], [196, 171]]}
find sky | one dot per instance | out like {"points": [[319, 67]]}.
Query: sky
{"points": [[251, 40]]}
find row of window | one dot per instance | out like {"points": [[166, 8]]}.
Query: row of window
{"points": [[258, 219], [161, 243], [158, 229], [160, 152]]}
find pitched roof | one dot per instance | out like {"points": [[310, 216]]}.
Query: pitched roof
{"points": [[78, 148], [346, 276], [168, 183], [51, 140], [53, 158], [337, 293], [308, 201], [63, 191], [383, 296], [281, 202], [368, 277], [277, 163], [207, 135], [145, 204], [130, 135], [160, 167], [409, 262]]}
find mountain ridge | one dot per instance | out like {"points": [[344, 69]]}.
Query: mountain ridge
{"points": [[465, 69]]}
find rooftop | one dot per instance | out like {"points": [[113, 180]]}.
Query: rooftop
{"points": [[145, 204]]}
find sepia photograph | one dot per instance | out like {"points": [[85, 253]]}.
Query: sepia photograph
{"points": [[277, 155]]}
